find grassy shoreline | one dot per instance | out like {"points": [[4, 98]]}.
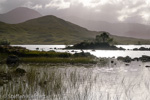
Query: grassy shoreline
{"points": [[82, 60], [29, 56]]}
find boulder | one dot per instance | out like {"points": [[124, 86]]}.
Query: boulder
{"points": [[127, 64], [126, 59], [12, 61], [112, 61], [145, 58]]}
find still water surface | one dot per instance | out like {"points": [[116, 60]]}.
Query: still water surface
{"points": [[98, 53]]}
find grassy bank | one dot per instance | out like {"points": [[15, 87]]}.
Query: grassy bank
{"points": [[83, 60], [28, 56]]}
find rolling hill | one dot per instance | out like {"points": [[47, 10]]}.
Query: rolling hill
{"points": [[52, 30], [44, 30], [18, 15]]}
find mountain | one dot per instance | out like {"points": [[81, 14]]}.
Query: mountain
{"points": [[44, 30], [134, 30], [52, 30], [19, 15]]}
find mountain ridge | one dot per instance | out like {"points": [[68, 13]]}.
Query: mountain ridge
{"points": [[52, 30], [18, 15], [45, 30]]}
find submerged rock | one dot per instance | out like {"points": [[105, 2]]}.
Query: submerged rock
{"points": [[125, 59], [147, 66], [112, 61], [127, 64]]}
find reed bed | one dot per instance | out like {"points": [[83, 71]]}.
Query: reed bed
{"points": [[79, 83]]}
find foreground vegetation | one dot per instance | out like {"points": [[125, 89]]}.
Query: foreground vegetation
{"points": [[78, 83]]}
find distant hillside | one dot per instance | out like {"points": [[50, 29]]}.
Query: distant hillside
{"points": [[19, 15], [45, 30], [134, 30], [52, 30]]}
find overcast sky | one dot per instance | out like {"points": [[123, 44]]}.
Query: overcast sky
{"points": [[137, 11]]}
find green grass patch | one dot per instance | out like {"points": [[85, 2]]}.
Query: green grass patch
{"points": [[28, 56], [83, 60], [45, 54]]}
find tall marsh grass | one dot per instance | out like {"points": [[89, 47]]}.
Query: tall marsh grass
{"points": [[80, 83]]}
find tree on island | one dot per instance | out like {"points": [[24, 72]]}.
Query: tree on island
{"points": [[103, 38], [102, 41], [4, 42]]}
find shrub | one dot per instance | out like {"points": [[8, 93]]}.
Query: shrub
{"points": [[4, 42]]}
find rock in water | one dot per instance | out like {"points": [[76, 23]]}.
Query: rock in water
{"points": [[147, 66], [112, 61], [12, 61]]}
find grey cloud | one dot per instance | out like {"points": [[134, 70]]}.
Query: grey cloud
{"points": [[8, 5], [134, 19], [106, 12]]}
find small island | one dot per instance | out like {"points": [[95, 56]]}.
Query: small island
{"points": [[101, 42]]}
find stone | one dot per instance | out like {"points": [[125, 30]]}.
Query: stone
{"points": [[12, 61], [127, 64], [127, 59], [112, 61], [145, 58]]}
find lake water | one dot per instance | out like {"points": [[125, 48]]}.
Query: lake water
{"points": [[98, 53]]}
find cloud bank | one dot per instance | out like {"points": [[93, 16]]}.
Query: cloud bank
{"points": [[134, 11]]}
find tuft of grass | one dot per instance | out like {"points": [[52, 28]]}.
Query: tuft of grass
{"points": [[3, 57]]}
